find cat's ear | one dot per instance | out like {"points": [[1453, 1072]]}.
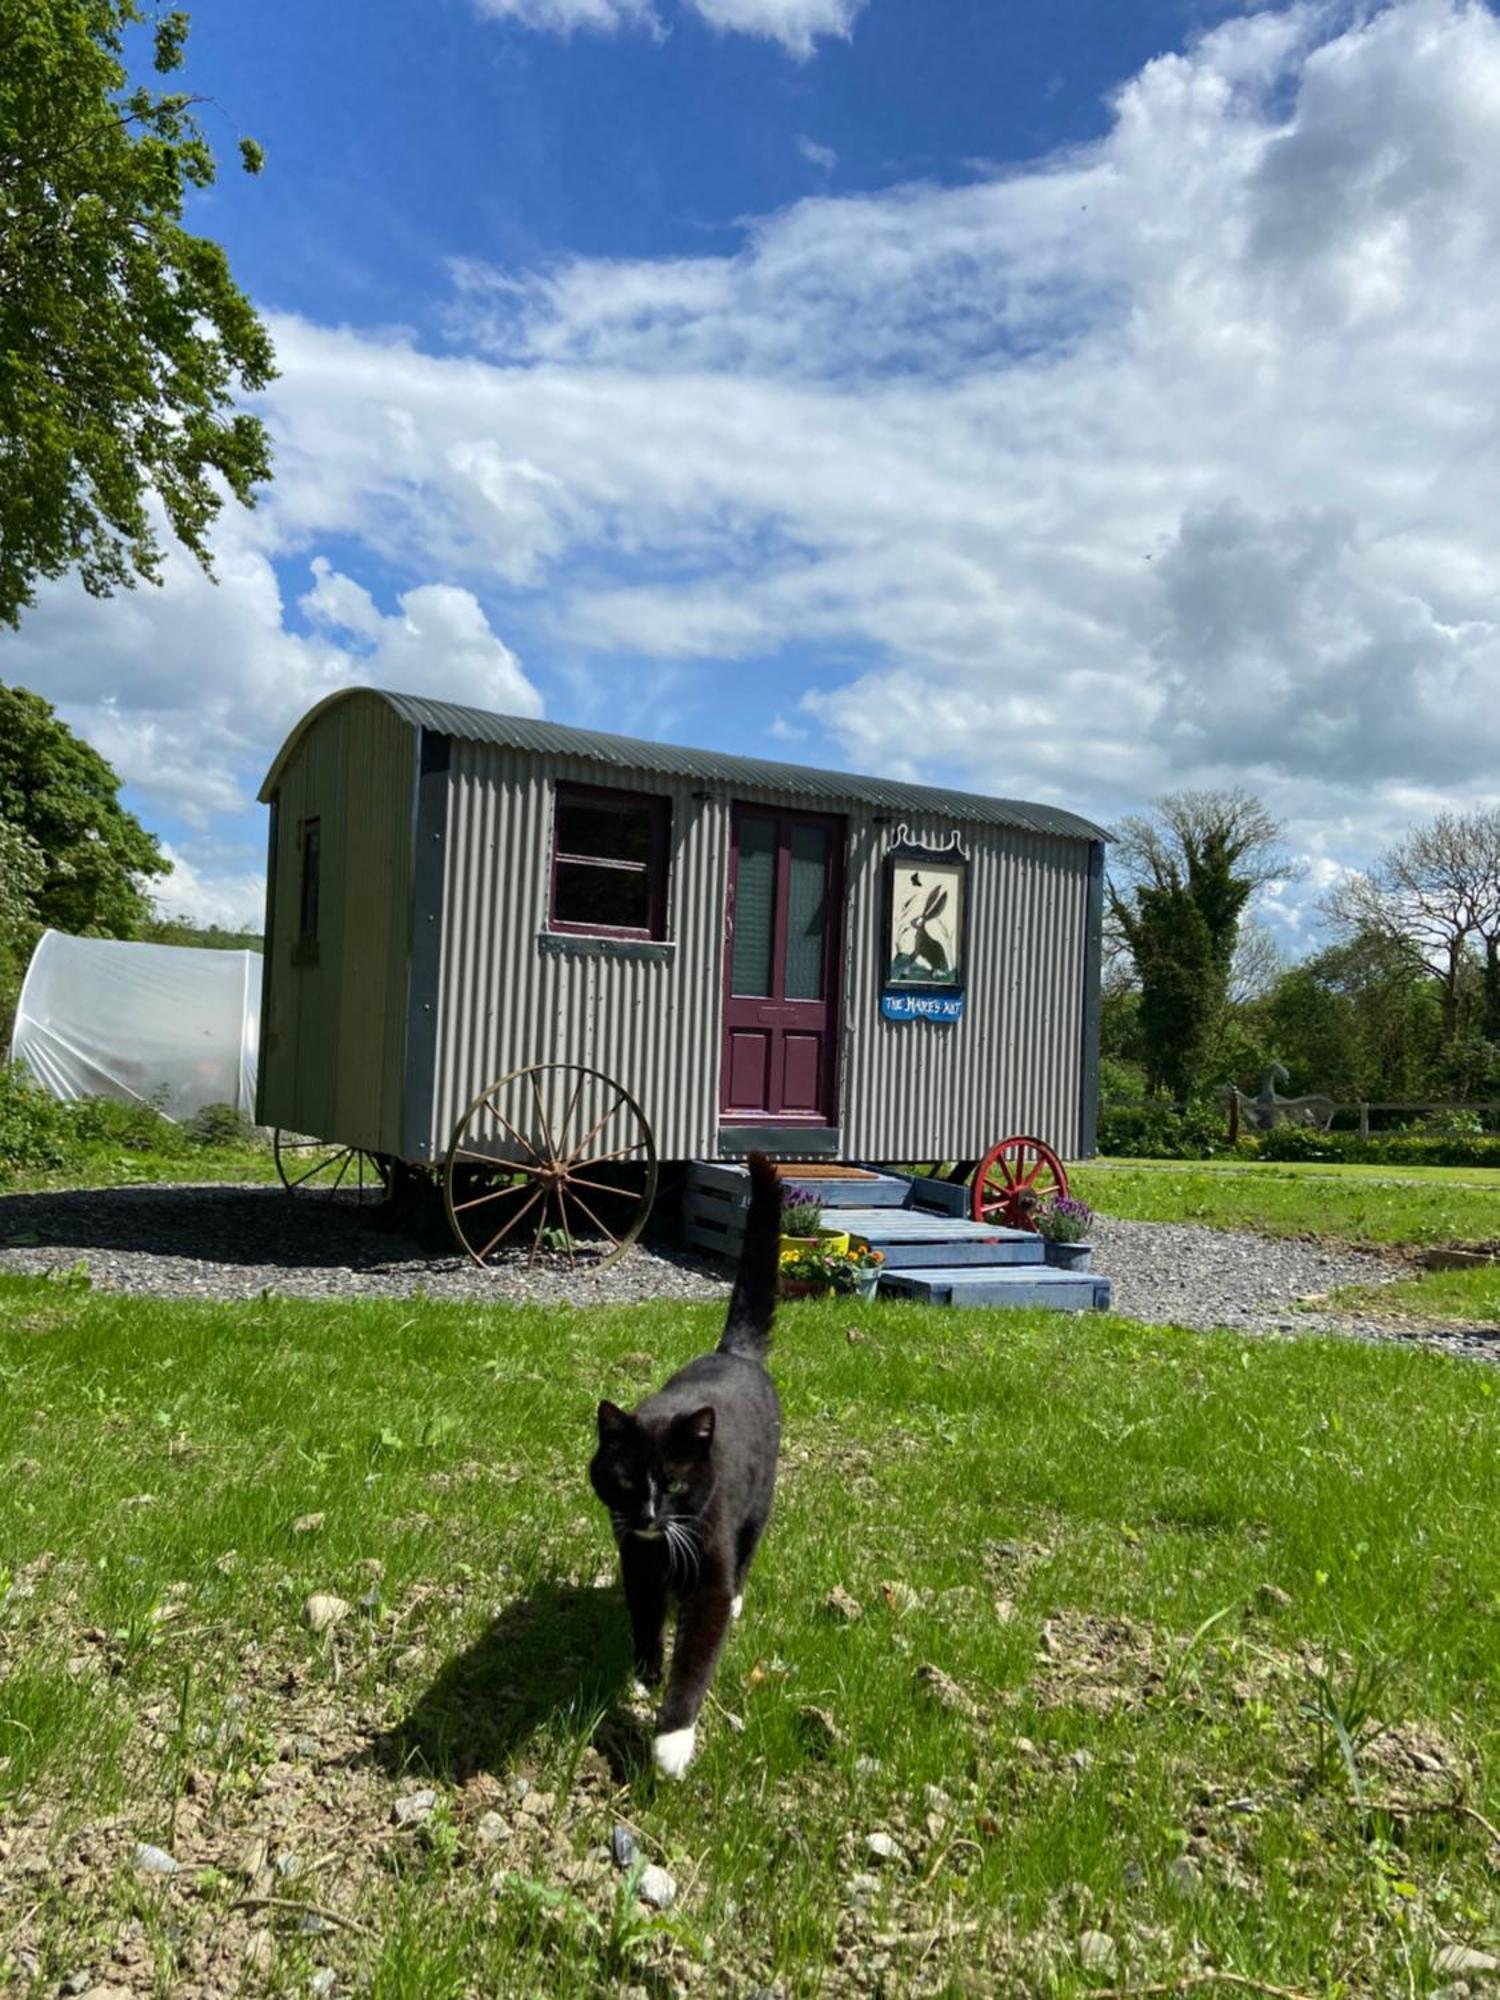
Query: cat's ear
{"points": [[612, 1421], [692, 1435]]}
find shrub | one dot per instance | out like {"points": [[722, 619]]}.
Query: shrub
{"points": [[1162, 1132], [1451, 1124], [31, 1126], [219, 1125], [93, 1122], [1395, 1149]]}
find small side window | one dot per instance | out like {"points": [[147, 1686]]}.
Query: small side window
{"points": [[609, 862], [309, 836]]}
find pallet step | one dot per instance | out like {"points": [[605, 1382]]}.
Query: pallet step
{"points": [[963, 1285], [911, 1236], [878, 1191], [933, 1251]]}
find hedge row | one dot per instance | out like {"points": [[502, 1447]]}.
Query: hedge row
{"points": [[1150, 1132], [1397, 1149]]}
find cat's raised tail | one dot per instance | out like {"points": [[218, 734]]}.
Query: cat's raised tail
{"points": [[752, 1304]]}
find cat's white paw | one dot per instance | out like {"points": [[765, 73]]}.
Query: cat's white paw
{"points": [[674, 1751], [737, 1605]]}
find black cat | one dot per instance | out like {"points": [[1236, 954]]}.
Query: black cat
{"points": [[688, 1481]]}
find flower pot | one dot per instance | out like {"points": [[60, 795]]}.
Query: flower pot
{"points": [[794, 1246], [867, 1283], [1070, 1256], [805, 1288], [833, 1240]]}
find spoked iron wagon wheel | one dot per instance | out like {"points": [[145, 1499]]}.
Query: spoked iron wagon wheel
{"points": [[320, 1168], [554, 1158], [1014, 1180]]}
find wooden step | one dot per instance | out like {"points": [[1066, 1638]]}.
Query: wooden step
{"points": [[909, 1237], [872, 1191], [1023, 1285]]}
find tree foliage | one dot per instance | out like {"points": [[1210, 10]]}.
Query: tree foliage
{"points": [[59, 799], [1180, 881], [1437, 893], [122, 336]]}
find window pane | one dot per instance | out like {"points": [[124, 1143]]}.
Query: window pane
{"points": [[607, 898], [754, 906], [311, 870], [598, 827], [807, 914]]}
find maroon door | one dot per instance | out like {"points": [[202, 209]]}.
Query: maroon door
{"points": [[781, 966]]}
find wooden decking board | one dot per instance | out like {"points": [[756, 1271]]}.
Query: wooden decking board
{"points": [[934, 1252]]}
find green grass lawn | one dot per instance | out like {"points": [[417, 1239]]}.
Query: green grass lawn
{"points": [[1376, 1205], [121, 1166], [1472, 1297], [1481, 1178], [1171, 1652]]}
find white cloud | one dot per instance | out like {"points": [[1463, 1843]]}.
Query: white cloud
{"points": [[234, 900], [564, 16], [1172, 460], [438, 642], [824, 158], [188, 690], [796, 24]]}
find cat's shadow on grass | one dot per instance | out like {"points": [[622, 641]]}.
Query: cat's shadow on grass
{"points": [[557, 1659]]}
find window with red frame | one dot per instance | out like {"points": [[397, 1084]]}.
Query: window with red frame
{"points": [[609, 862]]}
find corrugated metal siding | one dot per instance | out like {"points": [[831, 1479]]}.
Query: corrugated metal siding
{"points": [[908, 1091], [919, 1091], [505, 1000], [332, 1057]]}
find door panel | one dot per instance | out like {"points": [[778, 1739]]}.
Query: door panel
{"points": [[748, 1069], [784, 916], [801, 1088]]}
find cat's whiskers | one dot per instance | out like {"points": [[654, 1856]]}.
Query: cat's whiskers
{"points": [[682, 1541]]}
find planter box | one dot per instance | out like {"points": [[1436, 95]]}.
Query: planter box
{"points": [[1070, 1256]]}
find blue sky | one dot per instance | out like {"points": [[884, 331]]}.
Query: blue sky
{"points": [[1074, 402], [401, 135]]}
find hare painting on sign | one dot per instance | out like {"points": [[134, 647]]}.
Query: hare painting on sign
{"points": [[926, 910]]}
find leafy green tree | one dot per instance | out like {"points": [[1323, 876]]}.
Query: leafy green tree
{"points": [[122, 336], [1362, 1019], [60, 795], [23, 869], [1180, 882], [1437, 893]]}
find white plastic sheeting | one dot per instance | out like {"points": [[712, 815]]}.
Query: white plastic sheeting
{"points": [[170, 1024]]}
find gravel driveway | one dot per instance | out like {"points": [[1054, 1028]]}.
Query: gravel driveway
{"points": [[234, 1242]]}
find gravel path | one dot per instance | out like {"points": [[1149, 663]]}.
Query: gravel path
{"points": [[234, 1242], [1185, 1275]]}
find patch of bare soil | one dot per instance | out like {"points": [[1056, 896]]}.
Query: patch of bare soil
{"points": [[1086, 1661]]}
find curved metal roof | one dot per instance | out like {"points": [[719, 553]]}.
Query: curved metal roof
{"points": [[631, 753]]}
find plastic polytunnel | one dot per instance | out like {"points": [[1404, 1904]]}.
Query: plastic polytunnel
{"points": [[172, 1025]]}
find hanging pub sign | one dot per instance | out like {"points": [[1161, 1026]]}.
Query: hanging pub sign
{"points": [[925, 938]]}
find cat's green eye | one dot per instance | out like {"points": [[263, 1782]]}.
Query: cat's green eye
{"points": [[626, 1485], [678, 1486]]}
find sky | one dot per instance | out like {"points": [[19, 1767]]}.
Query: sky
{"points": [[1072, 402]]}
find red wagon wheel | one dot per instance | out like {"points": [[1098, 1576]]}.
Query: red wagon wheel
{"points": [[1015, 1179]]}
